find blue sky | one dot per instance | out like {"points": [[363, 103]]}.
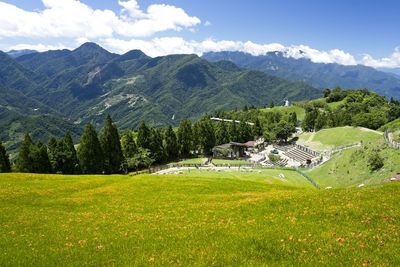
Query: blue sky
{"points": [[343, 31]]}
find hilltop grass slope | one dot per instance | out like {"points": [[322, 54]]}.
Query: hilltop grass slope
{"points": [[197, 220], [349, 168], [330, 138]]}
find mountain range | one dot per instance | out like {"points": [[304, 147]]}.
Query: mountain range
{"points": [[319, 75], [53, 92]]}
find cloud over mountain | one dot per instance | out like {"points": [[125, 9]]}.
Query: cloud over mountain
{"points": [[393, 61], [153, 29], [172, 45]]}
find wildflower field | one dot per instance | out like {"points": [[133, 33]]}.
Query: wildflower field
{"points": [[195, 219]]}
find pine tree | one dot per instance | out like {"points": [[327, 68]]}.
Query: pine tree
{"points": [[71, 163], [283, 130], [221, 134], [156, 146], [111, 147], [5, 165], [257, 129], [90, 155], [293, 118], [245, 133], [171, 144], [24, 163], [129, 147], [52, 147], [185, 138], [143, 138], [233, 132], [39, 158], [196, 136], [309, 120], [320, 121], [207, 136]]}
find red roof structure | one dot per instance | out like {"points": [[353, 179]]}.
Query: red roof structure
{"points": [[250, 144]]}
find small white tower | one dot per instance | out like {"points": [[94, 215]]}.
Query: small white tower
{"points": [[287, 103]]}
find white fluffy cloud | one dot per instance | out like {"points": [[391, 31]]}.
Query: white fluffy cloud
{"points": [[38, 47], [74, 19], [393, 61], [69, 23], [177, 45]]}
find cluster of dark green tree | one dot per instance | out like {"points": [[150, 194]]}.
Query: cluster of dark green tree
{"points": [[154, 145], [95, 154], [108, 153], [5, 165], [356, 108], [274, 126]]}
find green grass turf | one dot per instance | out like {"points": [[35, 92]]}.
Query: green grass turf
{"points": [[230, 162], [264, 175], [163, 220], [193, 161], [300, 112], [327, 139], [335, 105], [391, 125], [350, 168]]}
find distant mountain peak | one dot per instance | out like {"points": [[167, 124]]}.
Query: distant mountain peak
{"points": [[19, 53], [295, 65], [133, 54], [89, 46]]}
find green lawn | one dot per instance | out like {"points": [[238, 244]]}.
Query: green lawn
{"points": [[193, 161], [335, 105], [350, 168], [300, 112], [230, 162], [264, 175], [164, 220], [327, 139], [391, 125]]}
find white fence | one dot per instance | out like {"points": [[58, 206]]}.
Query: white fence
{"points": [[388, 138]]}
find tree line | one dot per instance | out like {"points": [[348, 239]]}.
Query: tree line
{"points": [[109, 152]]}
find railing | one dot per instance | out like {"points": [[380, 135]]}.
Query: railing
{"points": [[250, 165], [389, 140], [343, 147], [308, 178], [307, 150]]}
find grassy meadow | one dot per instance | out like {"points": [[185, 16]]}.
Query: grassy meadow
{"points": [[193, 161], [230, 162], [300, 112], [349, 168], [330, 138], [196, 218]]}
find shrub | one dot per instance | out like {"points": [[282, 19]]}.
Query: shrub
{"points": [[375, 161], [274, 158]]}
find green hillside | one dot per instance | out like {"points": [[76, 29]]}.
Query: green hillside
{"points": [[300, 112], [391, 125], [89, 82], [327, 139], [349, 168], [86, 84]]}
